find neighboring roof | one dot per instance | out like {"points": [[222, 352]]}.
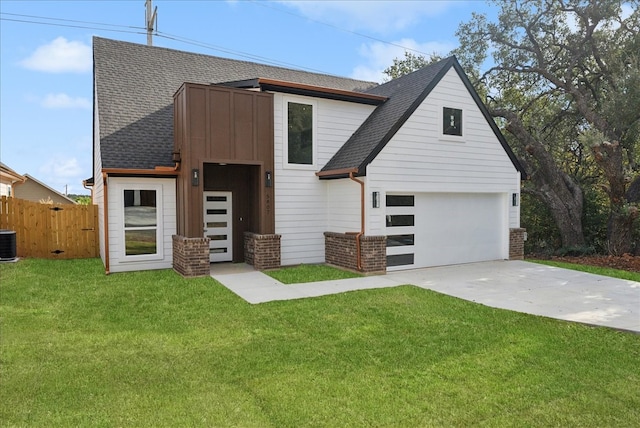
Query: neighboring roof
{"points": [[8, 173], [47, 189], [405, 94], [134, 88]]}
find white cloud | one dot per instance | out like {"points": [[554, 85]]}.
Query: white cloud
{"points": [[378, 16], [378, 56], [60, 56], [61, 167], [62, 100]]}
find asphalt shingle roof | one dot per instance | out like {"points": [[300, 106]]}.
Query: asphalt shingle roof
{"points": [[405, 95], [135, 84]]}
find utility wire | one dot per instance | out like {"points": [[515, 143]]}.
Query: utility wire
{"points": [[72, 20], [140, 30], [71, 26], [234, 52], [264, 4]]}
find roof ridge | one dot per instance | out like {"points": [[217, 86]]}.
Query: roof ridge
{"points": [[238, 61]]}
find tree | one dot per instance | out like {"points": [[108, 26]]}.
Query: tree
{"points": [[410, 62], [566, 76]]}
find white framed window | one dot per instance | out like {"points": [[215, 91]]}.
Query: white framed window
{"points": [[300, 137], [141, 220], [452, 123]]}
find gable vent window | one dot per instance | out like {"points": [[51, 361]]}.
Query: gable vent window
{"points": [[451, 121]]}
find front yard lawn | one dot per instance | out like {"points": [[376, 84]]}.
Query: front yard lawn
{"points": [[310, 273], [79, 348]]}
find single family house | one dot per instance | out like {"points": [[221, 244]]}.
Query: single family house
{"points": [[35, 190], [201, 159], [8, 180]]}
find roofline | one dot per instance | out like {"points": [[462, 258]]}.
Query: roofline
{"points": [[452, 62], [48, 188], [336, 173], [405, 116], [11, 174], [492, 123], [307, 90], [157, 172]]}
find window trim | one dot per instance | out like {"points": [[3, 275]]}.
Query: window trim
{"points": [[285, 133], [448, 137], [159, 254]]}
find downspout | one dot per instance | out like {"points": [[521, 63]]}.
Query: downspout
{"points": [[106, 222], [359, 235]]}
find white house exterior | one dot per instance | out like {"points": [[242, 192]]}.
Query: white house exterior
{"points": [[416, 166]]}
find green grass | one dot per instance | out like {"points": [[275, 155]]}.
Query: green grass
{"points": [[79, 348], [614, 273], [310, 273]]}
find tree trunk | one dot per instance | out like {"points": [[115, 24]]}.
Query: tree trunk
{"points": [[556, 189], [565, 208], [622, 215]]}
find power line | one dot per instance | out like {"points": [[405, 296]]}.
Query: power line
{"points": [[234, 52], [264, 4], [141, 30], [70, 26], [69, 20]]}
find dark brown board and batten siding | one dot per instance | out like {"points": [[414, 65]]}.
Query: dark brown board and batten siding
{"points": [[216, 125]]}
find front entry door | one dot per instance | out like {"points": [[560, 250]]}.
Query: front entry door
{"points": [[218, 222]]}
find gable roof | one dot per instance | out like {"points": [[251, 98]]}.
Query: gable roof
{"points": [[405, 94], [134, 88], [34, 190], [9, 175]]}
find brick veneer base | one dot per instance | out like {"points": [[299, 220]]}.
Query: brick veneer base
{"points": [[262, 251], [340, 250], [191, 256], [516, 243]]}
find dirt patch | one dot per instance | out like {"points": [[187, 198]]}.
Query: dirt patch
{"points": [[627, 262]]}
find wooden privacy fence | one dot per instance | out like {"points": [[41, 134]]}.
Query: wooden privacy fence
{"points": [[60, 231]]}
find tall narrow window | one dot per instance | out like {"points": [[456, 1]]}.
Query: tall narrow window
{"points": [[300, 133], [140, 222], [451, 121]]}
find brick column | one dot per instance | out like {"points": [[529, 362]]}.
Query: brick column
{"points": [[191, 256], [262, 251], [340, 250], [516, 243]]}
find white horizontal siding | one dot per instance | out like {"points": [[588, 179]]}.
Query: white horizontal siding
{"points": [[117, 261], [343, 206], [97, 192], [420, 159], [301, 199]]}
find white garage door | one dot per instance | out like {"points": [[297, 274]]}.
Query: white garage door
{"points": [[435, 229]]}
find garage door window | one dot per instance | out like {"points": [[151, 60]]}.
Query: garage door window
{"points": [[399, 260], [400, 200], [400, 220], [400, 223]]}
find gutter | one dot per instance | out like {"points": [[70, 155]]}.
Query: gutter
{"points": [[105, 194], [359, 235], [351, 172]]}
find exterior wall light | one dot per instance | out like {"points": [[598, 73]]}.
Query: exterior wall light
{"points": [[375, 198], [514, 200], [195, 177]]}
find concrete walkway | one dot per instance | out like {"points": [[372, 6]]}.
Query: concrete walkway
{"points": [[515, 285]]}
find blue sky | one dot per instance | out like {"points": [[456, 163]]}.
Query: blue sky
{"points": [[46, 70]]}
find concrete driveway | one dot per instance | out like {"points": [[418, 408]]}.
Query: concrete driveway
{"points": [[515, 285], [537, 289]]}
